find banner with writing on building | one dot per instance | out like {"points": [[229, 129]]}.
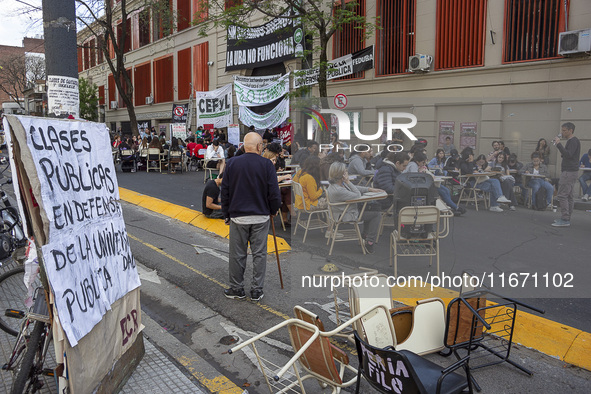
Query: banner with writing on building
{"points": [[274, 42], [252, 97], [87, 255], [214, 108], [256, 81], [346, 65], [268, 120]]}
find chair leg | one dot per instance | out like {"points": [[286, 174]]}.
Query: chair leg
{"points": [[307, 226], [391, 238], [360, 238], [295, 230], [437, 254], [332, 238]]}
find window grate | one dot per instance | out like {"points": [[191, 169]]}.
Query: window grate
{"points": [[396, 36]]}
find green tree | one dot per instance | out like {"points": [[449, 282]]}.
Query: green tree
{"points": [[88, 94]]}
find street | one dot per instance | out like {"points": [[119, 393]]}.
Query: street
{"points": [[192, 265]]}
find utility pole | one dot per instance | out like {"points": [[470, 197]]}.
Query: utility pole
{"points": [[61, 61]]}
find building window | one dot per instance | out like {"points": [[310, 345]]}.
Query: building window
{"points": [[162, 19], [144, 28], [142, 83], [396, 36], [460, 34], [184, 74], [231, 3], [163, 80], [350, 38], [531, 29], [183, 14], [128, 33], [112, 89], [200, 67], [201, 10], [92, 44], [80, 64], [101, 94]]}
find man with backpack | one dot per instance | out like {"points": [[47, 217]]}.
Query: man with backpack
{"points": [[541, 189]]}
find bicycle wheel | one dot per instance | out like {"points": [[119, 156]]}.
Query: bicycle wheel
{"points": [[27, 376], [12, 296]]}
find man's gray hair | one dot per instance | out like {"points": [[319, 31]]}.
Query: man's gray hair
{"points": [[336, 171]]}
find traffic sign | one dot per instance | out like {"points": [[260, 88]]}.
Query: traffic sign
{"points": [[179, 111], [340, 101]]}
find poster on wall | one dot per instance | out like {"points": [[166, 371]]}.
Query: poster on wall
{"points": [[468, 133], [274, 42], [214, 108], [179, 113], [446, 129], [62, 96], [256, 81]]}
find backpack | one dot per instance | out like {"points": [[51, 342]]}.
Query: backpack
{"points": [[540, 200]]}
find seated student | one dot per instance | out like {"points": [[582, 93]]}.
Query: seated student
{"points": [[393, 165], [586, 176], [500, 164], [437, 163], [210, 203], [503, 148], [536, 167], [515, 165], [309, 178], [341, 190], [358, 164], [467, 166], [543, 150], [448, 146], [191, 145], [326, 162], [174, 147], [417, 164], [197, 147], [155, 143], [301, 155], [215, 156], [452, 164]]}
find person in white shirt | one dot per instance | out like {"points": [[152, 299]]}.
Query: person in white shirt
{"points": [[215, 156]]}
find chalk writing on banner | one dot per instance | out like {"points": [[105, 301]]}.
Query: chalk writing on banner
{"points": [[88, 258]]}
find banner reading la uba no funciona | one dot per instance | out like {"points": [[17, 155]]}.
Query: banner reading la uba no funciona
{"points": [[214, 108]]}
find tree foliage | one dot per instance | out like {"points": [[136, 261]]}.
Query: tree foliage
{"points": [[88, 94], [100, 17], [18, 73]]}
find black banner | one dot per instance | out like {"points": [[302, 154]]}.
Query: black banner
{"points": [[179, 113], [363, 59], [274, 42]]}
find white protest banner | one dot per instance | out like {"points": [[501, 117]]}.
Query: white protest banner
{"points": [[87, 256], [178, 130], [252, 97], [214, 108], [256, 82], [269, 120], [62, 96], [336, 68], [234, 134]]}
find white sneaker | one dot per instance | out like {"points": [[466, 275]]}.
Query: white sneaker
{"points": [[512, 208], [503, 200], [495, 209], [585, 197]]}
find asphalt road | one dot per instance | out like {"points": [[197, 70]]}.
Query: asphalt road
{"points": [[493, 245]]}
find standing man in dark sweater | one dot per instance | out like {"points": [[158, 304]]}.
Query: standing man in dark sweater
{"points": [[569, 171], [250, 195]]}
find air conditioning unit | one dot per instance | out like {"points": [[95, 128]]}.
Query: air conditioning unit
{"points": [[420, 62], [114, 104], [576, 41], [149, 100]]}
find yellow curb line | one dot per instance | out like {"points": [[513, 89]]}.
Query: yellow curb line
{"points": [[219, 384], [566, 343], [192, 217]]}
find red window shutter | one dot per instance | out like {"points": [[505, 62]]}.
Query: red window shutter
{"points": [[101, 95], [80, 64], [86, 56], [200, 10], [163, 80], [200, 67], [531, 29], [142, 83], [460, 34], [350, 38], [184, 74], [92, 53], [395, 39], [112, 89], [183, 14]]}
